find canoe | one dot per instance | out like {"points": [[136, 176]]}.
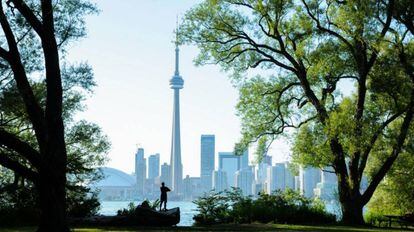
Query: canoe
{"points": [[150, 217], [140, 217]]}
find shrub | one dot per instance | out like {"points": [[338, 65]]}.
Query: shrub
{"points": [[278, 207], [375, 218], [83, 205], [212, 208], [127, 211]]}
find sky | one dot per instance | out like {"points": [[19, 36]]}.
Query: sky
{"points": [[129, 46]]}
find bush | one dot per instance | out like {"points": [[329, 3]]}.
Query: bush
{"points": [[127, 211], [375, 218], [278, 207], [83, 206], [212, 208]]}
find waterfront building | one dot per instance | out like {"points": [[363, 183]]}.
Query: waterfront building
{"points": [[165, 174], [196, 185], [276, 177], [229, 163], [220, 182], [140, 171], [151, 189], [267, 159], [297, 183], [258, 188], [192, 186], [244, 180], [244, 160], [153, 166], [289, 177], [261, 173], [327, 188], [187, 188], [116, 185], [309, 178], [207, 161]]}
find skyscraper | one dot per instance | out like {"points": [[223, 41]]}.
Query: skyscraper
{"points": [[176, 83], [308, 177], [289, 177], [153, 166], [244, 180], [328, 186], [267, 159], [297, 183], [261, 172], [166, 174], [140, 171], [229, 163], [244, 160], [276, 177], [219, 180], [187, 188], [207, 161]]}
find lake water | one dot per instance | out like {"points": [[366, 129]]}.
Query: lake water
{"points": [[187, 209]]}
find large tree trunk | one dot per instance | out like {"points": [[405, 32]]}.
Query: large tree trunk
{"points": [[351, 200], [352, 212], [52, 194], [350, 197]]}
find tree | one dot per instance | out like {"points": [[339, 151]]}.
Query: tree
{"points": [[306, 52], [34, 40], [395, 195]]}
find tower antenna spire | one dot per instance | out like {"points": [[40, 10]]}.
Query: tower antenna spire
{"points": [[176, 32], [177, 51]]}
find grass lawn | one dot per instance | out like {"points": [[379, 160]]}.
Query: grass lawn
{"points": [[247, 227]]}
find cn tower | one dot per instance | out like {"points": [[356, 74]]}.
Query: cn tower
{"points": [[176, 83]]}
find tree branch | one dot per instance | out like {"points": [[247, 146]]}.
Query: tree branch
{"points": [[323, 29], [377, 133], [28, 14], [5, 161], [379, 175], [25, 150], [33, 108]]}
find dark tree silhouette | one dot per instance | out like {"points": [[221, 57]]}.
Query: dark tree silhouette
{"points": [[35, 35]]}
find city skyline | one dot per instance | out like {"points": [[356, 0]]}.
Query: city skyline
{"points": [[137, 111], [233, 171]]}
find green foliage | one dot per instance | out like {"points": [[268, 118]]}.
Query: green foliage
{"points": [[127, 211], [278, 207], [334, 77], [375, 219], [82, 203], [155, 204], [131, 208], [395, 195], [212, 208]]}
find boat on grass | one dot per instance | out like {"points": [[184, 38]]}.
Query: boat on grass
{"points": [[141, 216]]}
